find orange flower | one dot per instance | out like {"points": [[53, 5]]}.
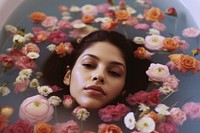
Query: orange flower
{"points": [[42, 127], [37, 17], [88, 19], [122, 15], [60, 49], [153, 115], [185, 63], [153, 14], [110, 25], [170, 44], [142, 53], [109, 128]]}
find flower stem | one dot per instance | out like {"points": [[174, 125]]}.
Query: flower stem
{"points": [[56, 116]]}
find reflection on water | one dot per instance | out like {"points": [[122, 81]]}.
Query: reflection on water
{"points": [[189, 83]]}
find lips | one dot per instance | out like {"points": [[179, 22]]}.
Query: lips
{"points": [[95, 90]]}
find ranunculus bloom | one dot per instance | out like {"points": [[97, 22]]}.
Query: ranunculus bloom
{"points": [[178, 116], [184, 63], [25, 62], [122, 15], [89, 10], [172, 82], [30, 47], [154, 14], [192, 110], [35, 109], [49, 21], [113, 113], [167, 127], [141, 26], [68, 127], [43, 127], [109, 128], [158, 72], [87, 19], [170, 44], [159, 26], [154, 42], [191, 32], [19, 127], [37, 17], [137, 98]]}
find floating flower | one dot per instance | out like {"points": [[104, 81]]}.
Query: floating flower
{"points": [[109, 25], [159, 26], [191, 32], [25, 62], [34, 83], [6, 61], [170, 44], [40, 36], [162, 109], [122, 15], [129, 120], [3, 122], [171, 12], [192, 110], [154, 42], [37, 17], [143, 107], [153, 14], [68, 127], [167, 127], [137, 98], [11, 29], [113, 113], [172, 82], [57, 37], [178, 116], [49, 21], [21, 86], [145, 124], [64, 49], [4, 90], [89, 9], [7, 111], [142, 53], [68, 101], [88, 19], [112, 128], [195, 52], [43, 127], [81, 113], [44, 90], [54, 100], [165, 90], [18, 39], [33, 55], [138, 40], [35, 109]]}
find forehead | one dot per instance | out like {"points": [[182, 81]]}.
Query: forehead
{"points": [[106, 51]]}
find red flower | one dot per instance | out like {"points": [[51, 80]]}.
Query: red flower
{"points": [[57, 37], [153, 98], [171, 11], [137, 98], [3, 122]]}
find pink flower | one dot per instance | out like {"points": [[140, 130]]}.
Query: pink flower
{"points": [[6, 61], [55, 88], [21, 86], [137, 98], [35, 109], [192, 110], [40, 36], [57, 37], [68, 127], [132, 21], [154, 42], [62, 8], [89, 10], [141, 26], [19, 127], [49, 21], [64, 24], [182, 43], [103, 8], [113, 113], [191, 32], [16, 54], [158, 72], [172, 82], [30, 47], [167, 127], [159, 26], [68, 101], [25, 62], [178, 116]]}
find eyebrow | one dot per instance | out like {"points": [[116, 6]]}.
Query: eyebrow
{"points": [[112, 62]]}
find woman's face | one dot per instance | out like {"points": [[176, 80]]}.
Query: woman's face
{"points": [[98, 76]]}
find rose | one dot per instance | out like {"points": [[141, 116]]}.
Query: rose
{"points": [[172, 82], [110, 25], [109, 128], [142, 53], [37, 17], [122, 15], [178, 116], [25, 62], [40, 36], [87, 19], [170, 44], [43, 127], [153, 14], [153, 97], [30, 47], [19, 127], [158, 72], [137, 98], [68, 127], [35, 109], [57, 36], [184, 63]]}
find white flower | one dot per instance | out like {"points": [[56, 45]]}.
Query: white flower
{"points": [[81, 113], [4, 90], [79, 25], [145, 124], [44, 90], [153, 31], [140, 16], [129, 121], [34, 83], [26, 72], [131, 10], [18, 39], [33, 55], [154, 42], [21, 78], [75, 9], [54, 100], [51, 47], [138, 40], [102, 19], [165, 90], [28, 36], [143, 107], [162, 109], [10, 28]]}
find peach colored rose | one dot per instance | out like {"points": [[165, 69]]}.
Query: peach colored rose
{"points": [[30, 47], [185, 63], [88, 19], [42, 127], [142, 53], [110, 25], [122, 15], [35, 109], [64, 48], [154, 14], [109, 128], [37, 17], [170, 44]]}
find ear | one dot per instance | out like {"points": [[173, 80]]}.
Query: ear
{"points": [[66, 79]]}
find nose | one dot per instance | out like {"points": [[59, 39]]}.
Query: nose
{"points": [[98, 76]]}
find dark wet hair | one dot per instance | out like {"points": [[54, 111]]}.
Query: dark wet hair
{"points": [[54, 68]]}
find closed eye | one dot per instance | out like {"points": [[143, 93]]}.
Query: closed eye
{"points": [[114, 74], [88, 66]]}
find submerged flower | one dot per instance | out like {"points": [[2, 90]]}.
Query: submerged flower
{"points": [[178, 116], [68, 101], [129, 121], [37, 17]]}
